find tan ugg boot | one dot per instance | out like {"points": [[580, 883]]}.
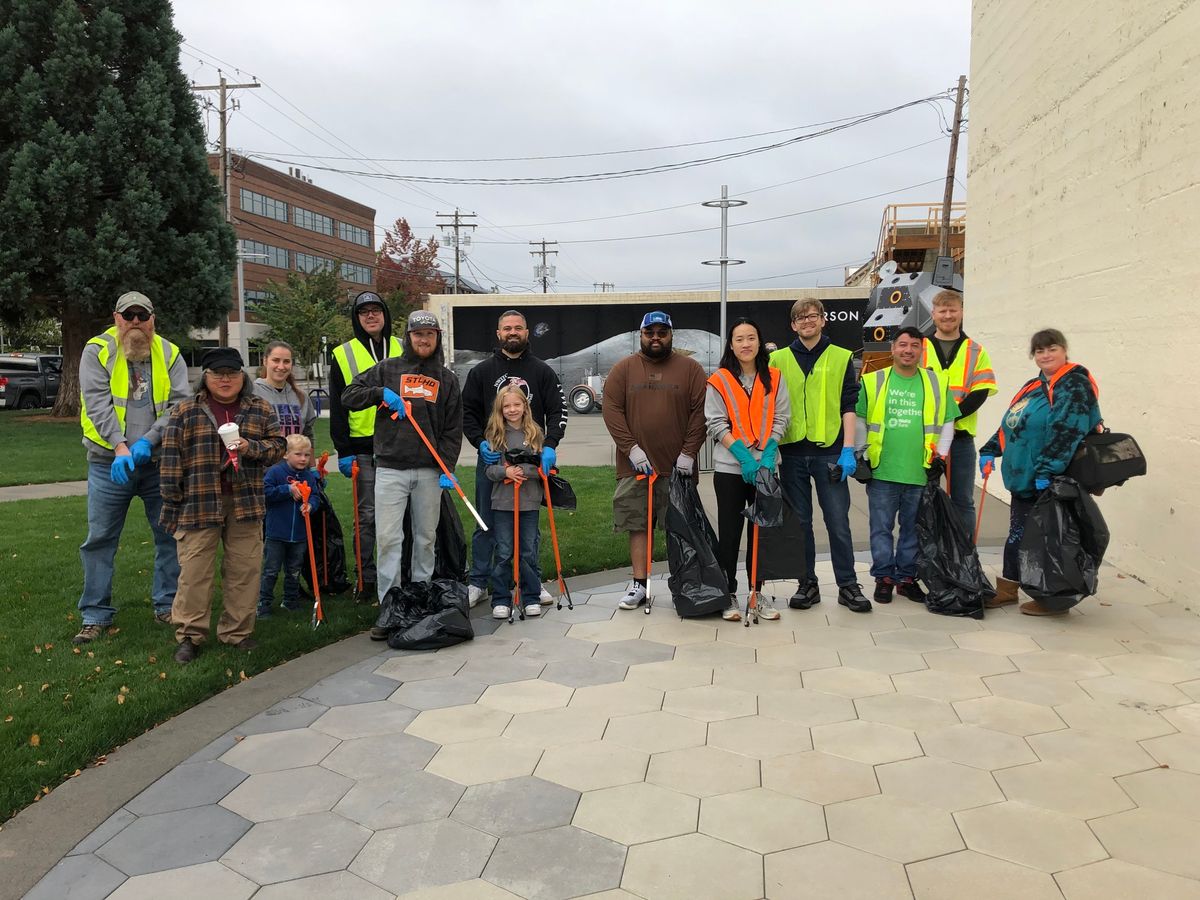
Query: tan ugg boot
{"points": [[1006, 593]]}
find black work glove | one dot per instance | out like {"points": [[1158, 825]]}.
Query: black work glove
{"points": [[937, 468]]}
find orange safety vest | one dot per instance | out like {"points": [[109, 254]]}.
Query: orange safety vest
{"points": [[1034, 383], [750, 415]]}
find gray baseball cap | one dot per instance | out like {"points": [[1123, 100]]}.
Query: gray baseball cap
{"points": [[422, 318]]}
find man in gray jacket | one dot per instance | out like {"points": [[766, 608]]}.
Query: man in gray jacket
{"points": [[129, 378]]}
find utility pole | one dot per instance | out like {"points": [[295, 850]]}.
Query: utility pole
{"points": [[603, 286], [456, 224], [724, 260], [223, 87], [544, 272], [944, 239]]}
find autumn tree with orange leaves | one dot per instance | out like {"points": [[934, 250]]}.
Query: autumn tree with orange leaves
{"points": [[407, 270]]}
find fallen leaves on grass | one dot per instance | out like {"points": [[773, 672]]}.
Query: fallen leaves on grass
{"points": [[35, 740], [76, 650], [120, 699], [8, 719], [45, 687]]}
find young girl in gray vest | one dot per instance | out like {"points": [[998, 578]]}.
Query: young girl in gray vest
{"points": [[510, 431]]}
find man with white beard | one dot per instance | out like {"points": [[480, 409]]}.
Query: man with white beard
{"points": [[129, 378]]}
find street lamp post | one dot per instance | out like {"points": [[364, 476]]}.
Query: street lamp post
{"points": [[724, 261]]}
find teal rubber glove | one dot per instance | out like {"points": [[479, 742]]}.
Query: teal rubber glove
{"points": [[141, 450], [344, 465], [770, 455], [120, 469], [393, 402], [848, 462], [986, 464], [746, 459], [1041, 483], [549, 458], [447, 482], [487, 454]]}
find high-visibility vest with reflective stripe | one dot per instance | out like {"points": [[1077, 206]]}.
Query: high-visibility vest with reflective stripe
{"points": [[970, 370], [750, 415], [1034, 383], [816, 399], [933, 411], [162, 356], [354, 359]]}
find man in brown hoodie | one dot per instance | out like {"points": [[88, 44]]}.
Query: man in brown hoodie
{"points": [[654, 410]]}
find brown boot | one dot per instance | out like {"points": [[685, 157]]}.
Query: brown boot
{"points": [[1033, 608], [1006, 593]]}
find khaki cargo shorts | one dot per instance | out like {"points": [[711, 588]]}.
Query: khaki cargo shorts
{"points": [[629, 504]]}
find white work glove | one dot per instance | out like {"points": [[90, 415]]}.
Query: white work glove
{"points": [[640, 461], [685, 464]]}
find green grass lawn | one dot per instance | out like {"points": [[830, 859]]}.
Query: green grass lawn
{"points": [[37, 449], [61, 710]]}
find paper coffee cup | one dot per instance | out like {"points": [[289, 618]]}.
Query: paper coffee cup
{"points": [[229, 435]]}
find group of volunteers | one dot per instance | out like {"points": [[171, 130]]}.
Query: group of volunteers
{"points": [[229, 461]]}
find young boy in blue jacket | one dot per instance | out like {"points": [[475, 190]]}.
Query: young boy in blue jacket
{"points": [[285, 539]]}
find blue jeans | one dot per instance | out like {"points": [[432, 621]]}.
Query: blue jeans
{"points": [[797, 474], [502, 533], [277, 555], [483, 543], [962, 477], [894, 558], [107, 507]]}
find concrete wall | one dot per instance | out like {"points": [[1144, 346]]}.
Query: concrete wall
{"points": [[1084, 203]]}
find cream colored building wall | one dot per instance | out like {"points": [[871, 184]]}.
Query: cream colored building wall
{"points": [[1084, 203]]}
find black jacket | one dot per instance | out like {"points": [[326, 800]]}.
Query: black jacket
{"points": [[339, 419], [546, 400]]}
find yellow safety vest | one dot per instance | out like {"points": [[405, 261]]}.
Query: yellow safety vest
{"points": [[162, 356], [970, 370], [816, 398], [933, 412], [354, 359]]}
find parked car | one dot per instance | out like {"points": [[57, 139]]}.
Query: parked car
{"points": [[29, 380]]}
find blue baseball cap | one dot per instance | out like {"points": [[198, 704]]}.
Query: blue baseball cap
{"points": [[658, 317]]}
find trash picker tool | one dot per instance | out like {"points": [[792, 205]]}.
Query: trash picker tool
{"points": [[563, 591], [982, 497], [318, 615], [752, 597], [650, 479], [357, 524], [516, 594]]}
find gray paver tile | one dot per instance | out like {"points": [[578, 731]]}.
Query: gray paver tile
{"points": [[105, 831], [437, 693], [331, 886], [710, 703], [365, 720], [583, 672], [850, 683], [197, 784], [293, 712], [906, 711], [1112, 879], [380, 755], [582, 615], [800, 657], [552, 648], [344, 689], [422, 856], [214, 749], [883, 660], [709, 654], [634, 652], [832, 870], [427, 665], [516, 806], [916, 640], [518, 864], [287, 849], [202, 882], [279, 750], [172, 840], [395, 800], [806, 707], [292, 792], [971, 874], [82, 877], [501, 669], [693, 865]]}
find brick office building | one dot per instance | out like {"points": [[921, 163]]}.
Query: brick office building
{"points": [[285, 223]]}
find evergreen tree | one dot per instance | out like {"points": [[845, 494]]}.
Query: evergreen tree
{"points": [[104, 183]]}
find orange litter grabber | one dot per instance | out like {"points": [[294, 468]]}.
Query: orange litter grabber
{"points": [[650, 479], [752, 597], [987, 473], [516, 593], [357, 524], [318, 615], [321, 463], [563, 591]]}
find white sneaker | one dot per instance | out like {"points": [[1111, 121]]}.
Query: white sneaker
{"points": [[769, 613], [635, 596], [545, 599], [499, 612], [733, 614], [533, 609], [474, 595]]}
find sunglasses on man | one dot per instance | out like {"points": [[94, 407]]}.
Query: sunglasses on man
{"points": [[140, 314]]}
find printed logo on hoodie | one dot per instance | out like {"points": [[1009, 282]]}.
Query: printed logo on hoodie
{"points": [[419, 387]]}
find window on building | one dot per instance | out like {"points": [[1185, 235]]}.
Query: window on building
{"points": [[306, 218], [253, 298], [354, 234], [262, 205], [265, 254], [306, 262], [356, 273]]}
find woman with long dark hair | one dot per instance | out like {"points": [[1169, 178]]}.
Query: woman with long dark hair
{"points": [[276, 383], [746, 412]]}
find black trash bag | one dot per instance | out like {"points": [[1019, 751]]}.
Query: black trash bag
{"points": [[1063, 546], [946, 559], [782, 555], [449, 548], [697, 582], [426, 616], [767, 509], [562, 495], [329, 547]]}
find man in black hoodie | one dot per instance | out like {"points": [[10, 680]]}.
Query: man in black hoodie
{"points": [[352, 432], [511, 361], [407, 475]]}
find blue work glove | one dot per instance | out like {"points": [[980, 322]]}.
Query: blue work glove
{"points": [[770, 455], [487, 454], [344, 465], [447, 483], [141, 451], [640, 461], [120, 469], [1040, 483], [848, 462], [986, 464], [549, 458], [393, 402], [749, 464]]}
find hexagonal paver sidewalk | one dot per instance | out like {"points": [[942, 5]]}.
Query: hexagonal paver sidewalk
{"points": [[612, 754]]}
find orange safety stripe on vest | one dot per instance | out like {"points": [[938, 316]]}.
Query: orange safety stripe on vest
{"points": [[1034, 383], [750, 416], [971, 380]]}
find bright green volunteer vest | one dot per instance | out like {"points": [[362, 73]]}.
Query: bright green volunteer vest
{"points": [[162, 356], [816, 398], [354, 359], [933, 413]]}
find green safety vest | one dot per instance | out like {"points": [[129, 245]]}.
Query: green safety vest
{"points": [[933, 411], [816, 399], [354, 359], [162, 356]]}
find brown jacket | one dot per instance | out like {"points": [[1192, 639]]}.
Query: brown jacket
{"points": [[658, 405]]}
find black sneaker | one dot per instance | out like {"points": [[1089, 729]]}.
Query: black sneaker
{"points": [[807, 595], [910, 589], [378, 634], [851, 597], [883, 590], [185, 652], [368, 595]]}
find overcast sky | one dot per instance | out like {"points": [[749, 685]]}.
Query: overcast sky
{"points": [[471, 79]]}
